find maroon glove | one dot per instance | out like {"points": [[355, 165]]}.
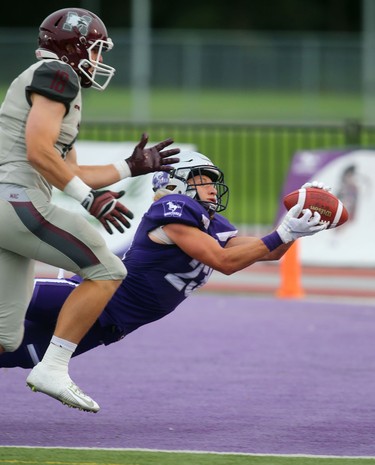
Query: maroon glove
{"points": [[103, 205], [144, 161]]}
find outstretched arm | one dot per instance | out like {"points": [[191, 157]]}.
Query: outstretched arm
{"points": [[142, 161], [207, 250], [240, 253], [276, 254], [103, 204]]}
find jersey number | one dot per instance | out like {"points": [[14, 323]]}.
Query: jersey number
{"points": [[185, 281], [59, 81]]}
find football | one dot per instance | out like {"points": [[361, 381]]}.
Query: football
{"points": [[324, 202]]}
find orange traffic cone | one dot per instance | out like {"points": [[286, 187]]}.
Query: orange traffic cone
{"points": [[290, 274]]}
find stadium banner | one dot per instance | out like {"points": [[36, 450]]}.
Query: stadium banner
{"points": [[138, 191], [351, 175]]}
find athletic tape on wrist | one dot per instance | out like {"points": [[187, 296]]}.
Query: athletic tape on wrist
{"points": [[123, 168], [77, 189], [272, 241]]}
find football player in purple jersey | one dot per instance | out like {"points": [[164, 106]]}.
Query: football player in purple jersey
{"points": [[39, 124], [181, 239]]}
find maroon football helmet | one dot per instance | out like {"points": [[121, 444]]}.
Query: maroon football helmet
{"points": [[71, 35]]}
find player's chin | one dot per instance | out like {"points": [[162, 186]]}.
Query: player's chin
{"points": [[210, 206]]}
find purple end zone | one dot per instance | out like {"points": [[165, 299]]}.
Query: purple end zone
{"points": [[222, 373]]}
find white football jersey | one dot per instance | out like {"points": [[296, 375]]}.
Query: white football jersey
{"points": [[55, 80]]}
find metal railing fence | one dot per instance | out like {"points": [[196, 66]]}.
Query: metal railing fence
{"points": [[254, 157], [199, 59]]}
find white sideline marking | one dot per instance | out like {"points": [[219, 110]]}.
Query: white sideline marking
{"points": [[195, 452]]}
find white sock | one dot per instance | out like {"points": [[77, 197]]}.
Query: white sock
{"points": [[58, 356], [64, 343]]}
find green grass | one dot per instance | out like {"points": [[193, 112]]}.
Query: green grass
{"points": [[60, 456], [115, 103]]}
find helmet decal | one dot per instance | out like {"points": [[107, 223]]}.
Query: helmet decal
{"points": [[80, 22], [160, 180]]}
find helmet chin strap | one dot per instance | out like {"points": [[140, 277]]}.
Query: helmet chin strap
{"points": [[209, 206]]}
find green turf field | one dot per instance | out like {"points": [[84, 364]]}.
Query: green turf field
{"points": [[57, 456]]}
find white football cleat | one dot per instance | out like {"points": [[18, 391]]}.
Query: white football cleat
{"points": [[59, 385]]}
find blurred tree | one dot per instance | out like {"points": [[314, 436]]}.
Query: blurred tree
{"points": [[281, 15], [291, 15]]}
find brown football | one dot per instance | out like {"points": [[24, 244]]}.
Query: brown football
{"points": [[328, 205]]}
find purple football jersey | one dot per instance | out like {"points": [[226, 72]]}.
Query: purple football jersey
{"points": [[161, 276]]}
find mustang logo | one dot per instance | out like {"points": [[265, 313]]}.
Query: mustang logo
{"points": [[160, 180], [173, 208]]}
